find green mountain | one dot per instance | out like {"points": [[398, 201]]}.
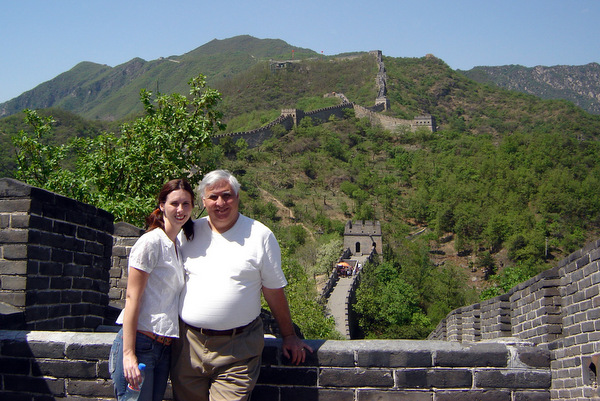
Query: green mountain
{"points": [[509, 180], [578, 84], [100, 92]]}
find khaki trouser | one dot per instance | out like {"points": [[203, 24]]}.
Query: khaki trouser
{"points": [[216, 368]]}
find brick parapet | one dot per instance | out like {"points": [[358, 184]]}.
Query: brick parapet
{"points": [[576, 355], [55, 258], [454, 325], [536, 308], [471, 321], [495, 317], [67, 365], [124, 237], [559, 309]]}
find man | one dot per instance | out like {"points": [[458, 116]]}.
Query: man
{"points": [[230, 260]]}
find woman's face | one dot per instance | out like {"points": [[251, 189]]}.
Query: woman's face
{"points": [[177, 208]]}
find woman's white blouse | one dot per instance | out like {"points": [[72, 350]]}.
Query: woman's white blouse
{"points": [[155, 254]]}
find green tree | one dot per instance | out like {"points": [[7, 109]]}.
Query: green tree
{"points": [[39, 162], [307, 313], [511, 276], [385, 302], [448, 290], [123, 173]]}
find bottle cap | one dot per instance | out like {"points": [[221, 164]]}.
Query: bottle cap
{"points": [[142, 366]]}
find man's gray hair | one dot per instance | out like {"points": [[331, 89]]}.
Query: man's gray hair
{"points": [[215, 176]]}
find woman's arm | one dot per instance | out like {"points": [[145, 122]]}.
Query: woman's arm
{"points": [[136, 284]]}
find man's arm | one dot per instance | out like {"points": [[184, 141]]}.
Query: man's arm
{"points": [[292, 345]]}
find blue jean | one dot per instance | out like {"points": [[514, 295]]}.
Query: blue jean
{"points": [[157, 358]]}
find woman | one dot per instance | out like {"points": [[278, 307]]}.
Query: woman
{"points": [[150, 316]]}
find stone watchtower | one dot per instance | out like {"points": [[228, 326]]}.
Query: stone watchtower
{"points": [[425, 120], [362, 236], [296, 115]]}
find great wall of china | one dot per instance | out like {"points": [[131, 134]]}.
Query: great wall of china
{"points": [[291, 117], [62, 281]]}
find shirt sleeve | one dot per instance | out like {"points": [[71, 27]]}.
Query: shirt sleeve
{"points": [[145, 253], [272, 273]]}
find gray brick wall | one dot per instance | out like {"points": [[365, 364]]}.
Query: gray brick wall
{"points": [[59, 365], [55, 257], [558, 310], [125, 235]]}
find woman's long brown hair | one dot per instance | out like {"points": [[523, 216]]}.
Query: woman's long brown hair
{"points": [[156, 218]]}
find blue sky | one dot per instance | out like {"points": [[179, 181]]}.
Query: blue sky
{"points": [[39, 39]]}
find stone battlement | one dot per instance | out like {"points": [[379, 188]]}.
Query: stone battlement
{"points": [[67, 365], [558, 309]]}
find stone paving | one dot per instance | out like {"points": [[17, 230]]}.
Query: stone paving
{"points": [[336, 304]]}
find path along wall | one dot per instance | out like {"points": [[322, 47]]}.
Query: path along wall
{"points": [[558, 310], [59, 260]]}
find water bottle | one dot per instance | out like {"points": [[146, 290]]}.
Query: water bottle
{"points": [[133, 393]]}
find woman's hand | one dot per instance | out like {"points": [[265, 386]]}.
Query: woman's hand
{"points": [[130, 369]]}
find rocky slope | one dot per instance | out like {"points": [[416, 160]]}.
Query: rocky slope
{"points": [[578, 84]]}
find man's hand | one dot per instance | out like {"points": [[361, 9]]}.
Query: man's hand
{"points": [[295, 349]]}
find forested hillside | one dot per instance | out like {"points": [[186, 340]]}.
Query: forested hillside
{"points": [[513, 204], [507, 185], [99, 92]]}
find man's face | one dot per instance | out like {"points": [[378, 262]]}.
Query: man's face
{"points": [[221, 203]]}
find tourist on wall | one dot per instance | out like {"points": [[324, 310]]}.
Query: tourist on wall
{"points": [[228, 263], [155, 279]]}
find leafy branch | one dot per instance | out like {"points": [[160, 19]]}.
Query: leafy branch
{"points": [[122, 173]]}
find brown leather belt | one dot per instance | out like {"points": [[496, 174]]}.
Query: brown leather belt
{"points": [[159, 339], [211, 332]]}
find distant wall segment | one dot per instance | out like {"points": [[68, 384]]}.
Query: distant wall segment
{"points": [[292, 117]]}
